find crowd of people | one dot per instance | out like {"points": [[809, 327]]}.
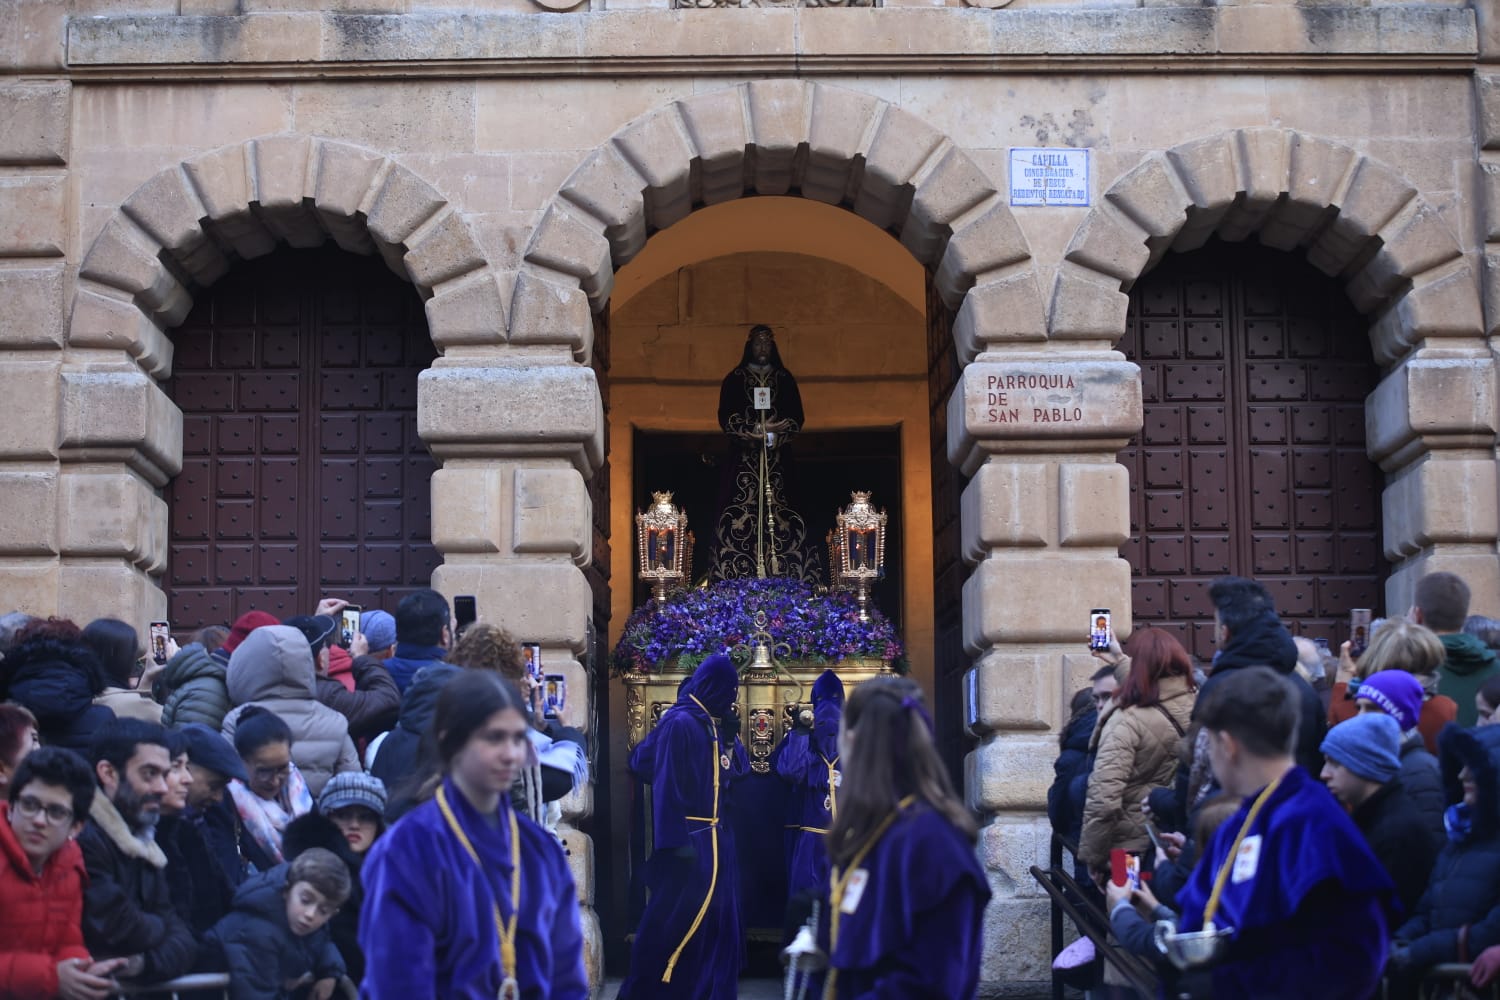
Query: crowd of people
{"points": [[1305, 825], [307, 818]]}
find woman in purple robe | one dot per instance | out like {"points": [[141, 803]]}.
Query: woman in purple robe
{"points": [[464, 897], [808, 760], [689, 943], [906, 895]]}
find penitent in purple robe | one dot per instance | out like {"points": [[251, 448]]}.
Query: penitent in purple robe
{"points": [[1306, 899], [427, 926], [915, 931], [808, 761], [689, 943]]}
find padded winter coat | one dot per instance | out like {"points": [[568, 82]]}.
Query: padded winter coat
{"points": [[257, 945], [1423, 781], [128, 903], [1071, 769], [1137, 751], [397, 758], [58, 682], [1400, 840], [1464, 889], [273, 668], [40, 916], [372, 706], [193, 690]]}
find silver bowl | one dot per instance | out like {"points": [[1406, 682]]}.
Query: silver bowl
{"points": [[1192, 949]]}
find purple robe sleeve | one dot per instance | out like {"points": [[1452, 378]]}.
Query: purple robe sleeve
{"points": [[797, 764], [683, 784], [395, 926]]}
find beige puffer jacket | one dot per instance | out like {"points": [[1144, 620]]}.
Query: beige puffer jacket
{"points": [[1136, 751], [273, 668]]}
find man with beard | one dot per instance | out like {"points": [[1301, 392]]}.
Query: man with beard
{"points": [[128, 911]]}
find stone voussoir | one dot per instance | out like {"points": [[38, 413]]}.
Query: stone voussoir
{"points": [[607, 187], [1153, 197], [546, 312], [469, 312], [442, 251]]}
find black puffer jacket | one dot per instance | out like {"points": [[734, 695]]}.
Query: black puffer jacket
{"points": [[396, 761], [257, 946], [58, 682], [1464, 889], [317, 830], [1265, 642], [1065, 799], [1423, 781], [192, 689], [1400, 840]]}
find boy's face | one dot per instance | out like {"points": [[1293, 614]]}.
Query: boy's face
{"points": [[307, 909], [1345, 785]]}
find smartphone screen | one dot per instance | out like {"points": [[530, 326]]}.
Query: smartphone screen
{"points": [[159, 633], [349, 624], [1359, 630], [1099, 623], [465, 613], [531, 655], [556, 696]]}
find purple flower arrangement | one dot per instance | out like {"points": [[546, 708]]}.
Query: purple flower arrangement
{"points": [[691, 625]]}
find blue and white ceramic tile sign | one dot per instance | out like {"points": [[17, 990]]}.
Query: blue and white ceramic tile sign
{"points": [[1049, 177]]}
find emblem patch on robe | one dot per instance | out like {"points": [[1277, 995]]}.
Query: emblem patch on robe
{"points": [[855, 890], [1246, 861]]}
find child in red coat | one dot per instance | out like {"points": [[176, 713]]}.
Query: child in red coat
{"points": [[41, 882]]}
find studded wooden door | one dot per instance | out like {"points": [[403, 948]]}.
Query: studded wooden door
{"points": [[1252, 457], [302, 471]]}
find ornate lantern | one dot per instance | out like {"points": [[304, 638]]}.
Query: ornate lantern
{"points": [[835, 562], [861, 547], [664, 544]]}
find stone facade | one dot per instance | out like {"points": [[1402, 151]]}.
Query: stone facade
{"points": [[508, 161]]}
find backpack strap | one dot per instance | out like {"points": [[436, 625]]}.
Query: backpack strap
{"points": [[1171, 718]]}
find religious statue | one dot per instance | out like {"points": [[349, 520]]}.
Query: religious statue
{"points": [[757, 534]]}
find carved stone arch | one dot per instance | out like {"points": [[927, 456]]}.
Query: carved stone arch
{"points": [[121, 437], [780, 137], [1356, 218]]}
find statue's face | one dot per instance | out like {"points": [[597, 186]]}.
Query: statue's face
{"points": [[760, 347]]}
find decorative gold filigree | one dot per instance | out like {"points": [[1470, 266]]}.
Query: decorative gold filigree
{"points": [[635, 713], [763, 732]]}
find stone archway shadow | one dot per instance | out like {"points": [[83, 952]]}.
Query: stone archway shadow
{"points": [[1356, 218], [780, 137], [121, 436]]}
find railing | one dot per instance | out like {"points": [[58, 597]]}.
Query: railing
{"points": [[206, 981]]}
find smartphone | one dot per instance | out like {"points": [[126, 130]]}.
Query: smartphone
{"points": [[556, 698], [464, 613], [159, 633], [349, 624], [1125, 868], [1099, 622], [531, 655], [1161, 853], [1359, 630]]}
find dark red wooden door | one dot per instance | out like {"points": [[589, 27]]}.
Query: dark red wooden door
{"points": [[302, 471], [1252, 457]]}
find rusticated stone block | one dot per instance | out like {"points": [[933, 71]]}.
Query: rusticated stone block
{"points": [[121, 259], [715, 122], [1008, 691], [545, 312], [986, 243], [954, 186], [34, 123], [1009, 846], [107, 413], [778, 125], [1086, 307], [1208, 171], [1152, 196], [111, 589], [443, 251], [1042, 401], [29, 500], [547, 410], [34, 307], [1003, 311], [33, 216], [280, 173], [840, 119], [1438, 500], [401, 205], [553, 513], [901, 145], [469, 510], [565, 242], [103, 321], [29, 585], [168, 209], [222, 182], [657, 147], [111, 514], [1005, 505], [579, 849], [28, 408], [470, 312], [1441, 304], [344, 176], [607, 187], [1487, 91], [1015, 940], [1009, 772], [1112, 246], [1376, 195], [547, 602], [1430, 400], [1093, 505], [1414, 245], [1040, 596]]}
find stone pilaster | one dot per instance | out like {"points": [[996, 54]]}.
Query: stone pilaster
{"points": [[1044, 517], [518, 431]]}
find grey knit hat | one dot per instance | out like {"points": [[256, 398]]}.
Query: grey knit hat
{"points": [[353, 788]]}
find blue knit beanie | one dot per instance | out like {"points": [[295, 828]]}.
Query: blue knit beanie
{"points": [[1368, 744]]}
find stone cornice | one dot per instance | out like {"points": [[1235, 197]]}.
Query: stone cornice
{"points": [[803, 41]]}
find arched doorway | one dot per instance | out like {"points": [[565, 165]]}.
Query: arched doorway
{"points": [[302, 470], [1252, 457]]}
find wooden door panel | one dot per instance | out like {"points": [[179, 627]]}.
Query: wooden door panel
{"points": [[303, 471], [1251, 459]]}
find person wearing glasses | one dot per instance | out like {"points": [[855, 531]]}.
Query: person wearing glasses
{"points": [[128, 909], [275, 794], [42, 953]]}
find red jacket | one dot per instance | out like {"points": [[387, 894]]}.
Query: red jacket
{"points": [[40, 916]]}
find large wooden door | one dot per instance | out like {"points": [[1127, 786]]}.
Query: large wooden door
{"points": [[302, 471], [1252, 457]]}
